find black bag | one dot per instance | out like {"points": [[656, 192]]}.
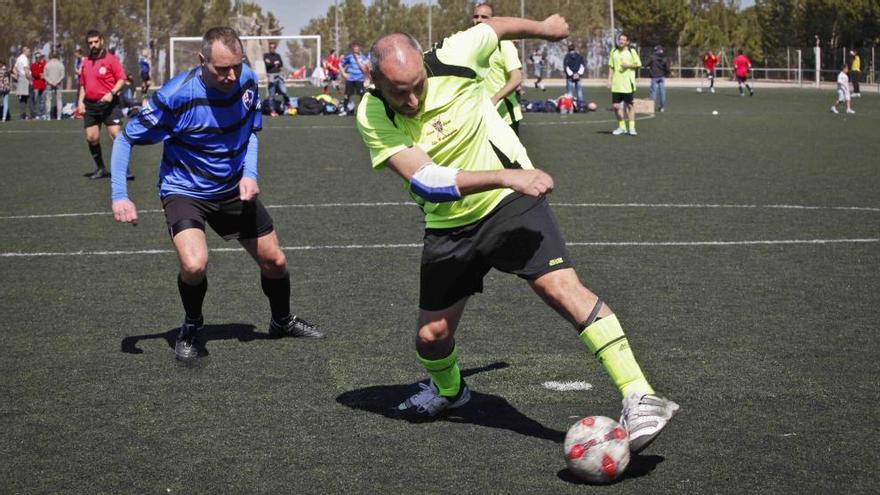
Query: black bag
{"points": [[310, 106], [550, 107]]}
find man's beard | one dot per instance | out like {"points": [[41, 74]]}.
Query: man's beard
{"points": [[94, 52]]}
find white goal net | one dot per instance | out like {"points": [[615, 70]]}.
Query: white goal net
{"points": [[299, 54]]}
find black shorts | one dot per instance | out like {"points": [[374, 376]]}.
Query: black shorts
{"points": [[99, 112], [145, 77], [354, 88], [520, 236], [741, 79], [622, 97], [230, 218], [333, 76]]}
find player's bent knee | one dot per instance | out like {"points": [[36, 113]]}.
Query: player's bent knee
{"points": [[434, 333], [274, 264], [194, 267]]}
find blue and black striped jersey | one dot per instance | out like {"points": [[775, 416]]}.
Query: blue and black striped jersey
{"points": [[206, 134]]}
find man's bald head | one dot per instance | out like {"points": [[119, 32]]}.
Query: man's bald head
{"points": [[399, 71], [395, 50]]}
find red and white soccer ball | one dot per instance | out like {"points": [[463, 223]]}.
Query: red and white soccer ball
{"points": [[597, 449]]}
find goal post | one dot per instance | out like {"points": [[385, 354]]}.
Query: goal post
{"points": [[300, 54]]}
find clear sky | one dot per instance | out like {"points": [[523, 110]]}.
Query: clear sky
{"points": [[295, 14]]}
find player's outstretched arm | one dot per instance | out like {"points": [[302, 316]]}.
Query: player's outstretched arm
{"points": [[124, 209], [553, 28], [441, 184]]}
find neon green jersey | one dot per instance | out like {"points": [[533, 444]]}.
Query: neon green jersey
{"points": [[457, 125], [502, 61], [623, 80]]}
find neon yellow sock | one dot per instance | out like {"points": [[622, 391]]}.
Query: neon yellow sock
{"points": [[632, 124], [444, 373], [621, 124], [606, 341]]}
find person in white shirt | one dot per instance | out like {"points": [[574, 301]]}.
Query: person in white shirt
{"points": [[21, 74], [843, 90], [54, 76]]}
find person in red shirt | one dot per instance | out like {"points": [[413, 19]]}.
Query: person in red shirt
{"points": [[710, 60], [331, 68], [742, 64], [38, 86], [101, 79]]}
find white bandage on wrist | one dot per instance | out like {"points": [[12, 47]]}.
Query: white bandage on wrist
{"points": [[435, 183]]}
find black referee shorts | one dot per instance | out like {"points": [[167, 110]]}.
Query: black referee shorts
{"points": [[520, 236], [230, 218], [99, 112]]}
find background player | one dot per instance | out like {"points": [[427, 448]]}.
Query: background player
{"points": [[843, 94], [505, 74], [144, 65], [622, 64], [742, 65], [209, 174], [710, 60]]}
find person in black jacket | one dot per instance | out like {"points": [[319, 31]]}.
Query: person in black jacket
{"points": [[659, 67], [573, 63]]}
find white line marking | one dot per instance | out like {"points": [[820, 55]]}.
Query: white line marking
{"points": [[567, 386], [561, 205], [419, 245]]}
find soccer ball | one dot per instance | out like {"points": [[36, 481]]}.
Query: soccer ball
{"points": [[592, 106], [699, 90], [597, 449]]}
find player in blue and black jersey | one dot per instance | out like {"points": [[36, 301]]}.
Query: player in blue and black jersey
{"points": [[207, 119]]}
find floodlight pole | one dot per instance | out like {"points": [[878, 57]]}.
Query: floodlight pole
{"points": [[611, 15], [336, 26], [54, 25], [148, 26], [430, 26]]}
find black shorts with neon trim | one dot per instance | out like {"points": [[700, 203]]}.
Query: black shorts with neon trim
{"points": [[622, 97], [230, 218], [100, 112], [520, 236]]}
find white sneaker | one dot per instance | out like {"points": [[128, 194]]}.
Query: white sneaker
{"points": [[834, 110], [428, 401], [644, 417], [712, 90], [619, 131], [850, 111], [632, 132]]}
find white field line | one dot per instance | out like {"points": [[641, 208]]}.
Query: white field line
{"points": [[419, 245], [567, 386], [561, 205], [331, 126]]}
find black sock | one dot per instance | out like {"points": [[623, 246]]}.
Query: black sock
{"points": [[95, 150], [278, 292], [192, 297]]}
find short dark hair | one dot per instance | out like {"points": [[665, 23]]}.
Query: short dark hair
{"points": [[94, 33], [486, 4], [226, 35]]}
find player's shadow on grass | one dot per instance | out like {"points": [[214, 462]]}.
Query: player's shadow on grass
{"points": [[483, 409], [239, 331], [639, 465]]}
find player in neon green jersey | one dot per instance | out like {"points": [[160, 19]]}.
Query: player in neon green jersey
{"points": [[622, 64], [505, 73], [430, 121]]}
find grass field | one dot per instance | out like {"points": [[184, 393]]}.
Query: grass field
{"points": [[740, 251]]}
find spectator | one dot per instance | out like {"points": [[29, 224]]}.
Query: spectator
{"points": [[622, 64], [355, 67], [38, 86], [144, 65], [54, 75], [5, 87], [710, 60], [742, 65], [77, 70], [331, 70], [843, 94], [274, 78], [574, 69], [126, 96], [21, 74], [537, 59], [659, 67], [855, 72]]}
